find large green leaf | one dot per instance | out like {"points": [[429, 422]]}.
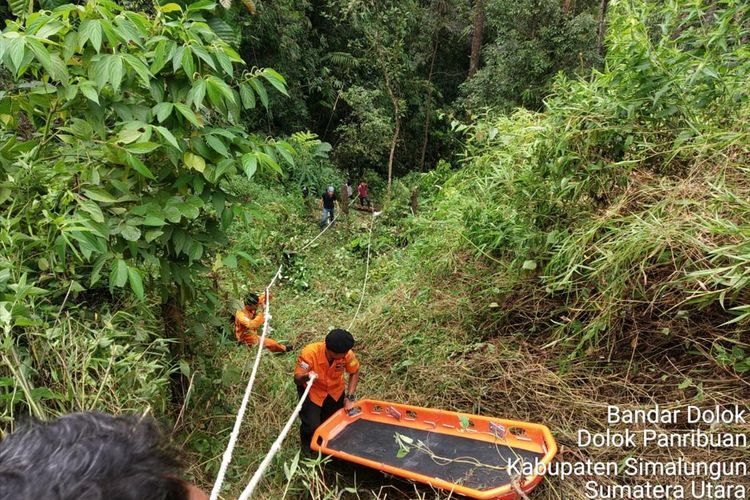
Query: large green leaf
{"points": [[136, 283], [90, 30], [118, 276]]}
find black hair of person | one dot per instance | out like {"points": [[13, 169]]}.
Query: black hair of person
{"points": [[339, 341], [90, 456]]}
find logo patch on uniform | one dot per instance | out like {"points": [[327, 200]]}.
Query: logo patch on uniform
{"points": [[353, 362], [304, 365]]}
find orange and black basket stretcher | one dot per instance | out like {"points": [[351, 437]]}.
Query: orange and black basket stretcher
{"points": [[457, 452]]}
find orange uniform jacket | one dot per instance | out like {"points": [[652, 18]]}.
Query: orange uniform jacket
{"points": [[330, 376], [246, 326]]}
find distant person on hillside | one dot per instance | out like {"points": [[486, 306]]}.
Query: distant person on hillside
{"points": [[349, 190], [247, 321], [327, 202], [328, 360], [362, 191], [305, 191], [92, 456]]}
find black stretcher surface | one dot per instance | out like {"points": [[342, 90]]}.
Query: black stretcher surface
{"points": [[376, 441]]}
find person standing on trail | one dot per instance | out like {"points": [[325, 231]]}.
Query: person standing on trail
{"points": [[247, 321], [362, 192], [327, 202], [349, 190], [328, 360]]}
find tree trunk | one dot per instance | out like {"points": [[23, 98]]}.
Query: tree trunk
{"points": [[428, 106], [174, 328], [568, 6], [396, 111], [602, 26], [476, 37]]}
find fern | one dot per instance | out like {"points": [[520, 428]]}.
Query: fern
{"points": [[343, 59]]}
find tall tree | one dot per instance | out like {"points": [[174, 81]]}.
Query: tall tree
{"points": [[476, 36], [396, 108], [602, 26]]}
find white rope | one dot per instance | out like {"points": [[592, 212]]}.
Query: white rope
{"points": [[324, 229], [367, 271], [276, 444], [240, 415]]}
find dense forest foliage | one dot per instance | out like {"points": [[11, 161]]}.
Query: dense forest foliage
{"points": [[564, 198]]}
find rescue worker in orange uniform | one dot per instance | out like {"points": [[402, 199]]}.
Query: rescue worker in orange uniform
{"points": [[247, 321], [329, 360]]}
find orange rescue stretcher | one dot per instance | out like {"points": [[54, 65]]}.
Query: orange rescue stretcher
{"points": [[457, 452]]}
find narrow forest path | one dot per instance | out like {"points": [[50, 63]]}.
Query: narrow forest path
{"points": [[320, 289]]}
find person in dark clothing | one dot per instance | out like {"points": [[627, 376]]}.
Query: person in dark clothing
{"points": [[362, 191], [327, 203]]}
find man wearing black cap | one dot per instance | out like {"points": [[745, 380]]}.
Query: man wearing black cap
{"points": [[328, 360]]}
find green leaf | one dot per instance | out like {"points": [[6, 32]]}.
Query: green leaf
{"points": [[267, 160], [188, 65], [88, 89], [249, 164], [275, 79], [142, 147], [128, 135], [136, 164], [224, 62], [119, 274], [153, 234], [99, 195], [286, 151], [201, 5], [464, 421], [116, 72], [93, 210], [194, 161], [130, 233], [166, 134], [153, 221], [261, 91], [162, 110], [140, 68], [188, 114], [197, 93], [204, 56], [16, 48], [136, 283], [160, 57], [170, 7], [217, 145], [247, 96], [90, 29]]}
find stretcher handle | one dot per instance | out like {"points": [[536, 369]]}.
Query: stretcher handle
{"points": [[356, 410]]}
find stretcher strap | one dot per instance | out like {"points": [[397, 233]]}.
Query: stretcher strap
{"points": [[240, 415], [276, 444]]}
